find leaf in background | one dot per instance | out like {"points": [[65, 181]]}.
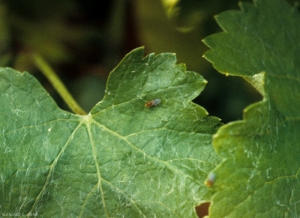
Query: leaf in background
{"points": [[259, 175], [121, 160], [156, 32], [187, 14]]}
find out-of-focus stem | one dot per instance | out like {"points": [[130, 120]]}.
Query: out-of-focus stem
{"points": [[45, 68]]}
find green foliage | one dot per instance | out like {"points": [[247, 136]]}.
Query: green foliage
{"points": [[122, 159], [259, 175]]}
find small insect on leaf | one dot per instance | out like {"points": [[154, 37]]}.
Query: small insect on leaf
{"points": [[152, 103], [210, 180]]}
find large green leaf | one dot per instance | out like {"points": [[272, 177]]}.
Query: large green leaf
{"points": [[122, 159], [259, 174]]}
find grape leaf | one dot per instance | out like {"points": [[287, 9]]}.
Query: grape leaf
{"points": [[122, 159], [259, 174]]}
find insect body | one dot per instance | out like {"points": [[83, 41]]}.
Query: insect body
{"points": [[210, 180], [153, 102]]}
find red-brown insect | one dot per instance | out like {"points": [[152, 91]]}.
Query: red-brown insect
{"points": [[153, 102]]}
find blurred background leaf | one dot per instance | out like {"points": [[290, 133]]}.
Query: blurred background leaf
{"points": [[188, 14]]}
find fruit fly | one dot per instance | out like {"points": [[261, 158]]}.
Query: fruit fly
{"points": [[210, 180], [152, 103]]}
